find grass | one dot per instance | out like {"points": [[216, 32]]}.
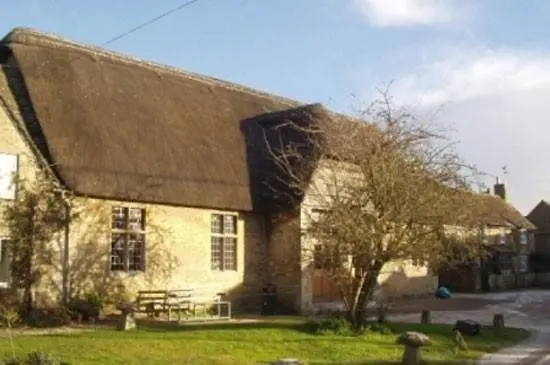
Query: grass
{"points": [[251, 343]]}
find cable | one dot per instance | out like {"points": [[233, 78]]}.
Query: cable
{"points": [[149, 22], [132, 30]]}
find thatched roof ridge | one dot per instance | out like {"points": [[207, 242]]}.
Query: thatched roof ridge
{"points": [[30, 36]]}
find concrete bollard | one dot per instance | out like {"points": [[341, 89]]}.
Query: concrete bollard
{"points": [[425, 317], [498, 321]]}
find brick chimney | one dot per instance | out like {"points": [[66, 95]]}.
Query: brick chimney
{"points": [[500, 189]]}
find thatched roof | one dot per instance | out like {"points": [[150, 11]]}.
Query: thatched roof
{"points": [[119, 128], [115, 127], [495, 211]]}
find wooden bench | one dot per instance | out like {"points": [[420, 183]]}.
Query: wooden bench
{"points": [[151, 302], [190, 301], [200, 303]]}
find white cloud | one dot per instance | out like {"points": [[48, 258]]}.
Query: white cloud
{"points": [[399, 13], [498, 102], [477, 74]]}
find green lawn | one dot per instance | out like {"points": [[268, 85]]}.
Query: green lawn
{"points": [[255, 343]]}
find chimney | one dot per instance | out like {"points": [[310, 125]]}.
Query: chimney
{"points": [[500, 189]]}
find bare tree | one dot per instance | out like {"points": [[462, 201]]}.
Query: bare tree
{"points": [[390, 189]]}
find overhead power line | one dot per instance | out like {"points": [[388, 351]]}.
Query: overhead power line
{"points": [[149, 22], [132, 30]]}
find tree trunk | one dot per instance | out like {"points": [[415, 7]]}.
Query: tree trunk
{"points": [[356, 313], [27, 298], [28, 284], [29, 279]]}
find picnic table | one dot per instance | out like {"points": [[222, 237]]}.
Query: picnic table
{"points": [[196, 305]]}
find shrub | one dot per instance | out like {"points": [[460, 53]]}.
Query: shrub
{"points": [[334, 325], [382, 328], [88, 307], [47, 317], [34, 358]]}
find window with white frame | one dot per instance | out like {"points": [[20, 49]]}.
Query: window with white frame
{"points": [[223, 242], [5, 270], [127, 239], [8, 174]]}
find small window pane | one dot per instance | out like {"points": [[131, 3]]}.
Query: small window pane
{"points": [[523, 265], [136, 246], [230, 224], [5, 273], [230, 253], [502, 237], [216, 253], [8, 172], [118, 218], [522, 237], [216, 224], [136, 221], [117, 252]]}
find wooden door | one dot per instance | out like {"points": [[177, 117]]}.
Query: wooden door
{"points": [[324, 289]]}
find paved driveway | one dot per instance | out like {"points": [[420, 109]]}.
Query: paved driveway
{"points": [[529, 309], [526, 309]]}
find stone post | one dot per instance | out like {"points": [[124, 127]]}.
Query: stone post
{"points": [[425, 317]]}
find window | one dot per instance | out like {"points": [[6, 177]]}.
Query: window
{"points": [[4, 263], [523, 263], [128, 239], [502, 240], [523, 237], [223, 244], [8, 171], [503, 261], [484, 235]]}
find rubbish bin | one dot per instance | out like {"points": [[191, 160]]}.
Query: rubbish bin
{"points": [[269, 300]]}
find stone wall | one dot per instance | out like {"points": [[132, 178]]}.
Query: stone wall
{"points": [[284, 262], [178, 245]]}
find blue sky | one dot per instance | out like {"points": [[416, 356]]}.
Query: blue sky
{"points": [[484, 64]]}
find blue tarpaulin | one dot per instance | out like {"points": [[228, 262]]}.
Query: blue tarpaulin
{"points": [[443, 293]]}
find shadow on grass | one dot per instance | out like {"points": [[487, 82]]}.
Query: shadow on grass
{"points": [[222, 326], [397, 362], [297, 324]]}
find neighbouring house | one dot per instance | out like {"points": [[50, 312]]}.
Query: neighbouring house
{"points": [[168, 172], [508, 238], [540, 216]]}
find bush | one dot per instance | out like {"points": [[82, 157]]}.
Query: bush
{"points": [[47, 317], [382, 328], [34, 358], [335, 325], [88, 307]]}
